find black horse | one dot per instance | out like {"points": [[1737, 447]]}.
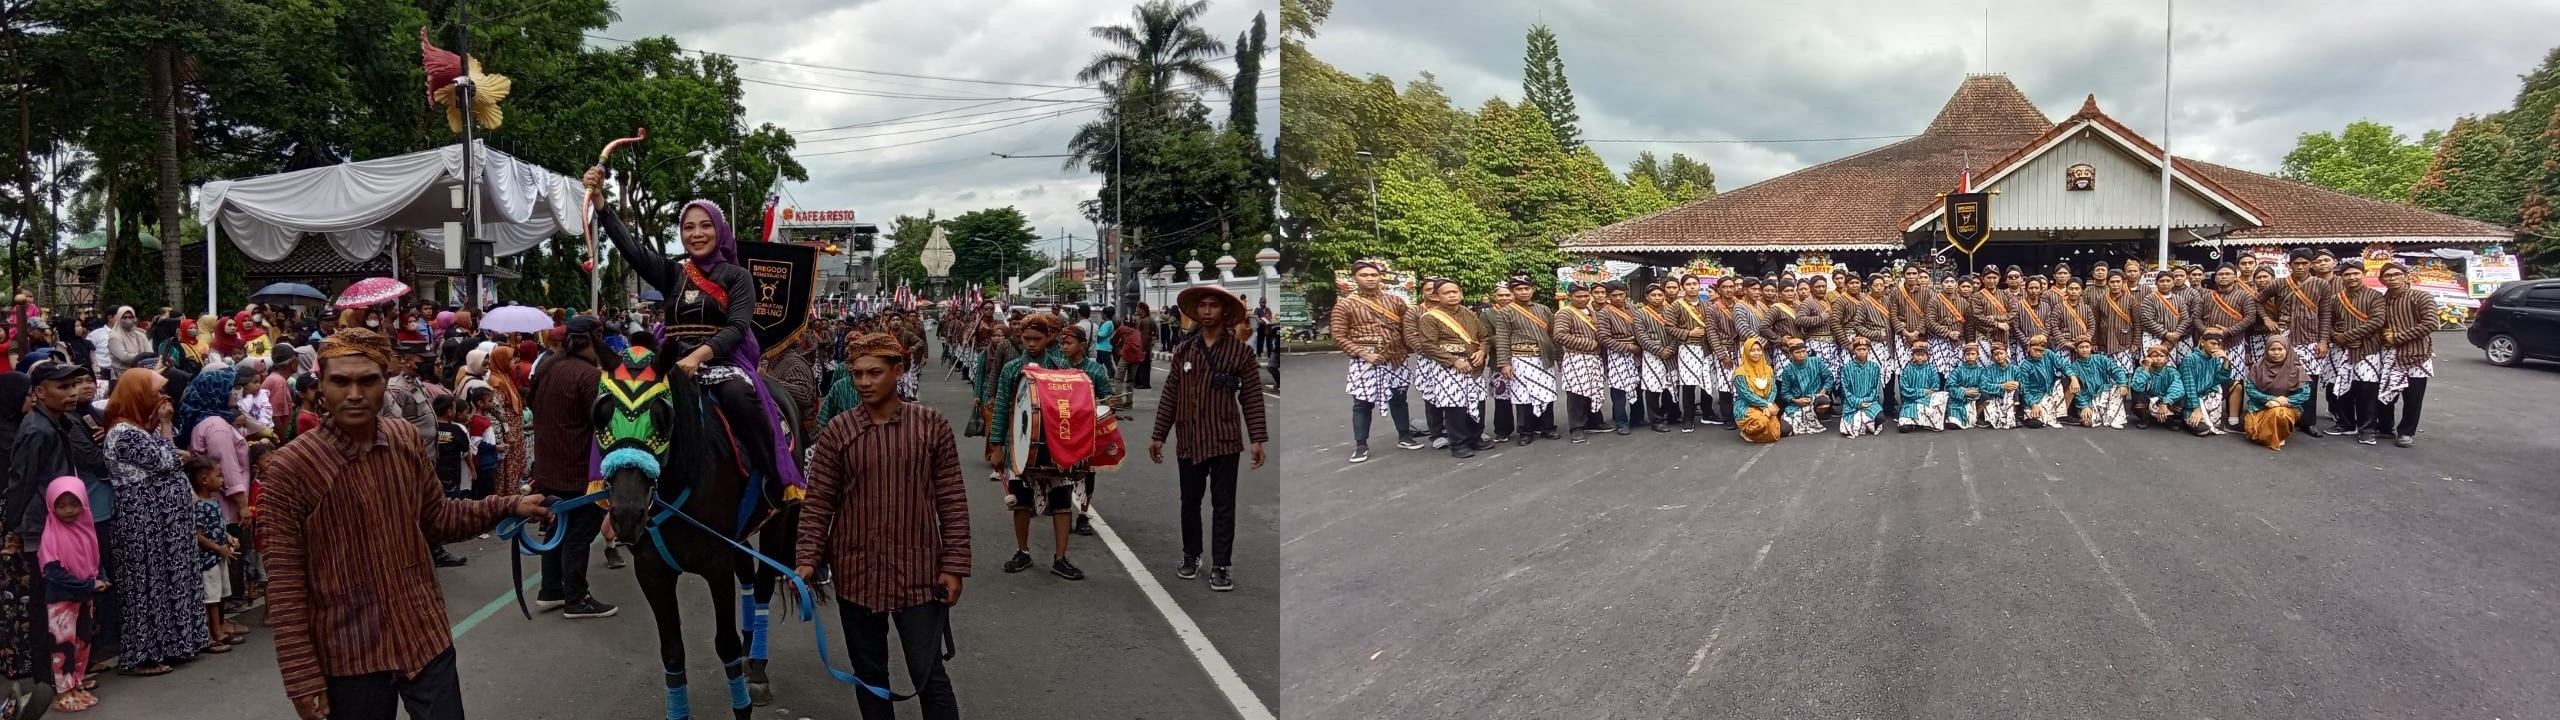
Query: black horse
{"points": [[685, 511]]}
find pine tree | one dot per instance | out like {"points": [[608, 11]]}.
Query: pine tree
{"points": [[1544, 85], [1244, 110]]}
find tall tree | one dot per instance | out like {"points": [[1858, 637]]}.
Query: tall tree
{"points": [[1244, 112], [1670, 176], [1432, 228], [2368, 160], [991, 244], [2469, 175], [904, 260], [1543, 84]]}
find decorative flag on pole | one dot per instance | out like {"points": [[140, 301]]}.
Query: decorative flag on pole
{"points": [[770, 202]]}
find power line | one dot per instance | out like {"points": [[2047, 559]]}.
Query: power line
{"points": [[1025, 121], [918, 76]]}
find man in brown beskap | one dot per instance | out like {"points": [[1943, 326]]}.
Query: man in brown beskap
{"points": [[352, 506], [1213, 395], [888, 515]]}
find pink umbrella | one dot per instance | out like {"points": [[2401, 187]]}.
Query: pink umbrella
{"points": [[370, 292]]}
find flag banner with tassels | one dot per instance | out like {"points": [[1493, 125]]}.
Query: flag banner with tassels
{"points": [[1968, 215]]}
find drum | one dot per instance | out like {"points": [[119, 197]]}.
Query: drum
{"points": [[1052, 424]]}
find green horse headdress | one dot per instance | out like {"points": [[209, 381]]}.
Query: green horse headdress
{"points": [[634, 413]]}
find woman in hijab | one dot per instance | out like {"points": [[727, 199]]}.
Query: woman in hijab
{"points": [[709, 311], [255, 341], [1755, 394], [24, 640], [207, 418], [2276, 393], [154, 533], [225, 344], [126, 339]]}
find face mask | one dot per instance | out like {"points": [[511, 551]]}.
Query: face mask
{"points": [[373, 323]]}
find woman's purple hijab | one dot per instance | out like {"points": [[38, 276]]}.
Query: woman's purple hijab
{"points": [[748, 354]]}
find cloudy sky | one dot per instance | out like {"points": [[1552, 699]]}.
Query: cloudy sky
{"points": [[2249, 77], [905, 166]]}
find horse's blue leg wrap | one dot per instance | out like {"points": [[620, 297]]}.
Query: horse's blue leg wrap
{"points": [[757, 620], [737, 683], [679, 706]]}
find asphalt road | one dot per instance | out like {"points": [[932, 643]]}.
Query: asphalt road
{"points": [[1030, 644], [2060, 573]]}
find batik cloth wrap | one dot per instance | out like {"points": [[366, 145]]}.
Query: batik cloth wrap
{"points": [[1891, 347], [2395, 376], [1532, 385], [2106, 410], [2342, 367], [2000, 412], [1698, 370], [2371, 368], [1945, 354], [1802, 420], [1444, 387], [2215, 408], [1622, 370], [1497, 386], [1929, 414], [2313, 364], [1833, 357], [1656, 374], [2126, 360], [2056, 404], [1373, 382], [1586, 375], [1853, 424]]}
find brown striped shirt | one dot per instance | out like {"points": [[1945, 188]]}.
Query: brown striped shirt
{"points": [[886, 509], [1214, 421], [350, 590]]}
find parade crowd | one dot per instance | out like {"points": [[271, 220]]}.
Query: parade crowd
{"points": [[2235, 349]]}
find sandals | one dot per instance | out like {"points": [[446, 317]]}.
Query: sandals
{"points": [[74, 701], [214, 648], [151, 670]]}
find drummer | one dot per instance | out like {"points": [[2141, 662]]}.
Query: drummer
{"points": [[1041, 488]]}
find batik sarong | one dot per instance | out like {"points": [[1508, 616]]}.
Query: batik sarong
{"points": [[2214, 408], [1443, 387], [2395, 377], [1375, 383], [1803, 421], [2055, 405], [1945, 354], [1623, 374], [1833, 357], [1586, 375], [1655, 374], [1854, 423], [2000, 412], [2342, 370], [1532, 385], [1931, 413], [1697, 370], [2106, 410], [2313, 364], [2126, 360]]}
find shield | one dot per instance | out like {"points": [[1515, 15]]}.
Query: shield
{"points": [[1968, 221], [786, 287]]}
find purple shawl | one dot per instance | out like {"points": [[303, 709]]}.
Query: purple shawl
{"points": [[748, 354]]}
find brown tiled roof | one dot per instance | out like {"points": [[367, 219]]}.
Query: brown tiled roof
{"points": [[1849, 203], [2295, 210], [2089, 112]]}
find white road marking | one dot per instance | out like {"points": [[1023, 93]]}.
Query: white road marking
{"points": [[1247, 706], [2093, 444], [1973, 497], [2108, 569]]}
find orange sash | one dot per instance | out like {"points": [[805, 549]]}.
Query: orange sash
{"points": [[2172, 307], [1452, 324], [1382, 310], [1542, 324]]}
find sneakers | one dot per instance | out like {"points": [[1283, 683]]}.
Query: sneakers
{"points": [[1408, 444], [1462, 452], [1190, 568], [1578, 437], [547, 604], [1360, 454], [2367, 439], [1084, 525], [1021, 561], [2404, 441], [588, 607], [1440, 442], [613, 556], [1061, 568], [450, 560], [1219, 580]]}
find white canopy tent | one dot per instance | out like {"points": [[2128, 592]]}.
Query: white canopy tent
{"points": [[357, 205]]}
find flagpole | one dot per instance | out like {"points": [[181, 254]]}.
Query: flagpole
{"points": [[2168, 163]]}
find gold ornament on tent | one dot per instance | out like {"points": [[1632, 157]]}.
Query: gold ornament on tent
{"points": [[446, 79]]}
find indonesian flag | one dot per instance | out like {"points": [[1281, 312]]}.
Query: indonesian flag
{"points": [[1964, 179], [770, 203]]}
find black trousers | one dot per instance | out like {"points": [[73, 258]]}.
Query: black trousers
{"points": [[1214, 477], [2310, 417], [2348, 410], [866, 639], [1583, 414], [1503, 411], [1142, 373], [564, 569], [1661, 408], [1363, 412], [1527, 421], [2363, 396], [1464, 430], [435, 694], [2412, 402]]}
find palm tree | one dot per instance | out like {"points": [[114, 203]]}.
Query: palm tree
{"points": [[1145, 68]]}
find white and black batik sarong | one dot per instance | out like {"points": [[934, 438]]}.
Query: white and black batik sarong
{"points": [[2313, 364], [2000, 412], [1889, 354], [907, 386], [1833, 356], [1854, 423], [1946, 354], [2371, 368], [1497, 386], [1586, 375], [2395, 376], [2055, 404], [1623, 374], [2212, 408], [2257, 348], [1444, 387], [1532, 384], [1802, 420], [2126, 360], [1654, 373], [1373, 382], [1930, 413], [2106, 410], [2342, 368], [1697, 370]]}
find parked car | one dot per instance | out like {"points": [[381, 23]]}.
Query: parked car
{"points": [[2519, 322]]}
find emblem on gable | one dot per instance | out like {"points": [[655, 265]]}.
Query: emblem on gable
{"points": [[2080, 177]]}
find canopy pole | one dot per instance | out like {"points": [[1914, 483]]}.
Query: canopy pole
{"points": [[212, 276]]}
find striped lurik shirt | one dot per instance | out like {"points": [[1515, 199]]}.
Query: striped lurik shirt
{"points": [[1209, 415], [886, 508], [350, 589]]}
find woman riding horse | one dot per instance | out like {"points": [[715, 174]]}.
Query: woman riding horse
{"points": [[709, 310]]}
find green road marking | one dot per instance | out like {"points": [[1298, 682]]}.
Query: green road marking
{"points": [[504, 599]]}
